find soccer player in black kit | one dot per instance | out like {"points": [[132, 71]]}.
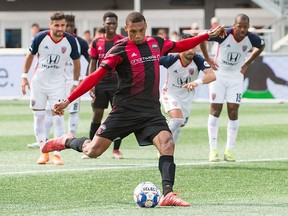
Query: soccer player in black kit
{"points": [[102, 94], [136, 106]]}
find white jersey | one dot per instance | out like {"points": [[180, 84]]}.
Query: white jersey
{"points": [[52, 58], [173, 94], [231, 53]]}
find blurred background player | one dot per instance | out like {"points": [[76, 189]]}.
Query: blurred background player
{"points": [[231, 64], [178, 91], [48, 81], [87, 37], [74, 107], [35, 29], [103, 93]]}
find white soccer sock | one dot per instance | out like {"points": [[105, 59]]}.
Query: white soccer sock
{"points": [[175, 124], [232, 131], [73, 122], [48, 123], [213, 131], [39, 128], [59, 128]]}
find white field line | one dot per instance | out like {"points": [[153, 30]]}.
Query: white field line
{"points": [[123, 166]]}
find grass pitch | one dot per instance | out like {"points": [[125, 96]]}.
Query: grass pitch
{"points": [[254, 185]]}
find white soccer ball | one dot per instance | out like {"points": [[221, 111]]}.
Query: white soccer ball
{"points": [[147, 195]]}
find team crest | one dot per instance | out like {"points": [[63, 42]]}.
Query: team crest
{"points": [[191, 71], [101, 129], [244, 48], [213, 96], [33, 102], [155, 47], [63, 49]]}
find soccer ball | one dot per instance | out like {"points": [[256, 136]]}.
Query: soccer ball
{"points": [[147, 195]]}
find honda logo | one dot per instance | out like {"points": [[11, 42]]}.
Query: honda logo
{"points": [[53, 59], [183, 80], [233, 57]]}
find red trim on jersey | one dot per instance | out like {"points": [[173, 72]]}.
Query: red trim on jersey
{"points": [[88, 83], [189, 43], [49, 33], [138, 71]]}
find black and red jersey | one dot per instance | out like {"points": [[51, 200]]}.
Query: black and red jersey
{"points": [[99, 47], [138, 72]]}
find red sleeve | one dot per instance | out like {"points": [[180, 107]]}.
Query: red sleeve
{"points": [[189, 43], [88, 83]]}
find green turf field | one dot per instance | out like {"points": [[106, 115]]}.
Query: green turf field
{"points": [[257, 184]]}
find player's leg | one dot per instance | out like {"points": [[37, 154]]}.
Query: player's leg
{"points": [[216, 97], [73, 119], [164, 142], [234, 93], [38, 103], [175, 122], [116, 153], [58, 94]]}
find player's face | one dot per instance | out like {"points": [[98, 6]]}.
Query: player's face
{"points": [[189, 54], [241, 27], [110, 25], [70, 27], [57, 28], [136, 31]]}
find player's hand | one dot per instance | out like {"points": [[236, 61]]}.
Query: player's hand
{"points": [[212, 63], [190, 86], [59, 107], [244, 68], [218, 31], [25, 83]]}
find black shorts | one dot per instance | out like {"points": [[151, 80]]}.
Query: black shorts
{"points": [[103, 96], [121, 122]]}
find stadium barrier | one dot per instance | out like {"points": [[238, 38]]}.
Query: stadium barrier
{"points": [[267, 77]]}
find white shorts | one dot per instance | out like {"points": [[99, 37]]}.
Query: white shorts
{"points": [[229, 90], [39, 96], [171, 102], [75, 105]]}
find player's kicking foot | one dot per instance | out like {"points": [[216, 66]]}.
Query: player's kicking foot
{"points": [[56, 160], [43, 159], [117, 154], [172, 199], [33, 145], [228, 156], [56, 144], [213, 156]]}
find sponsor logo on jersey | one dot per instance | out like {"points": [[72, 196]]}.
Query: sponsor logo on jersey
{"points": [[133, 54], [144, 59]]}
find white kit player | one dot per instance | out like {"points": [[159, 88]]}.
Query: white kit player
{"points": [[178, 91], [53, 48], [231, 63]]}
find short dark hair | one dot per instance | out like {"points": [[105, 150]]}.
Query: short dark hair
{"points": [[242, 17], [187, 36], [135, 17], [109, 14], [35, 25], [70, 18], [57, 16]]}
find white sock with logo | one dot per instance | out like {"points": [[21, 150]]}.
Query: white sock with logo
{"points": [[213, 131], [232, 131], [73, 122], [39, 128]]}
